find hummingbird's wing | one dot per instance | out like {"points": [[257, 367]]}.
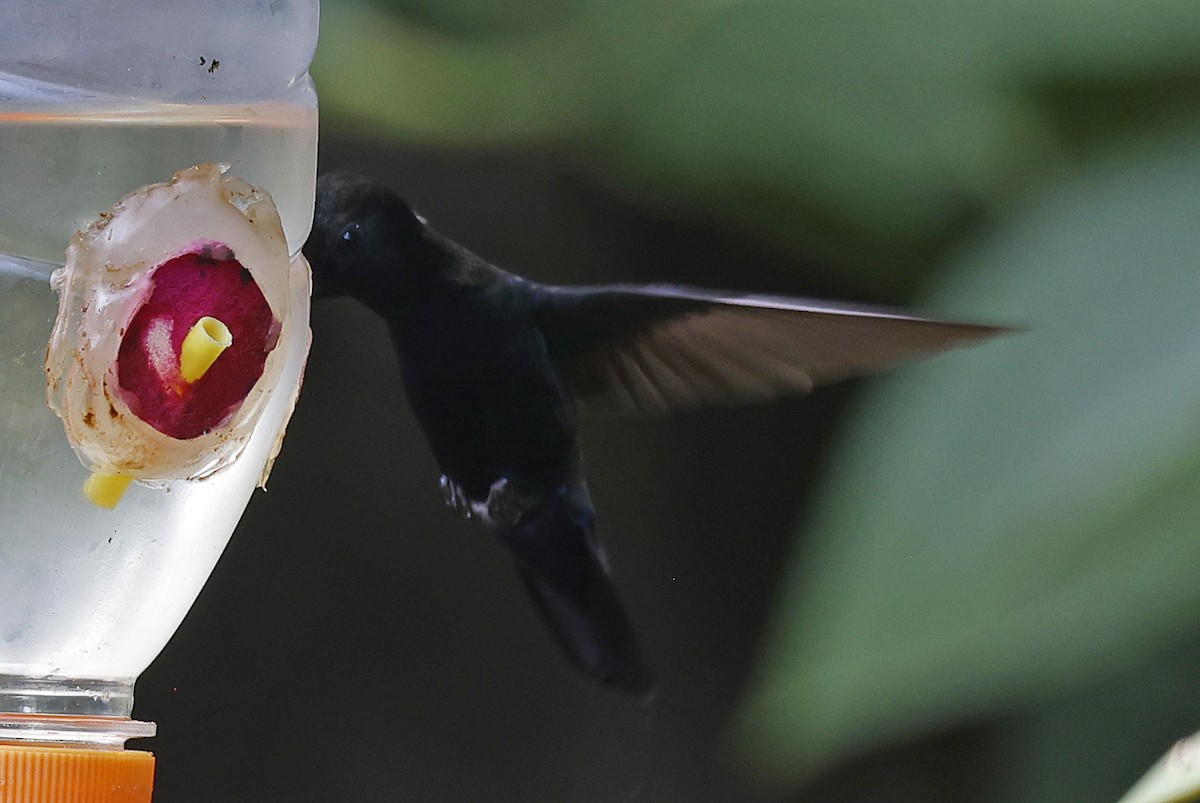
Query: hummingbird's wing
{"points": [[650, 348]]}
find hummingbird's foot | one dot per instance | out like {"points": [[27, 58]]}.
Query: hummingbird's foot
{"points": [[456, 498], [503, 505]]}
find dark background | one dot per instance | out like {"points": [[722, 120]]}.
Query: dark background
{"points": [[357, 642]]}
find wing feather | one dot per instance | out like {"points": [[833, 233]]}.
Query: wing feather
{"points": [[656, 347]]}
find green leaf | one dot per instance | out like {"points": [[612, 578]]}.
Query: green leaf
{"points": [[1005, 525]]}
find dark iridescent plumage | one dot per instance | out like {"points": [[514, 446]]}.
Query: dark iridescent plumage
{"points": [[495, 366]]}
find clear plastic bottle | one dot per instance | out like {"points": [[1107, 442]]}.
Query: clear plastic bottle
{"points": [[98, 98]]}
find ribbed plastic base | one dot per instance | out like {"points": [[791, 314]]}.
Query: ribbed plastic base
{"points": [[72, 775]]}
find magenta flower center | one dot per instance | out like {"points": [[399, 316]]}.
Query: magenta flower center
{"points": [[184, 290]]}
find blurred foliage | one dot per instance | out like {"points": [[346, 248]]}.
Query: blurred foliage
{"points": [[1092, 743], [486, 19], [1001, 529], [1174, 779], [866, 132], [1004, 526]]}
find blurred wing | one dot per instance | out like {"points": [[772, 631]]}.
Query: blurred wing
{"points": [[656, 347]]}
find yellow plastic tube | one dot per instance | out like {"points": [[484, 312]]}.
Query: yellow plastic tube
{"points": [[205, 341]]}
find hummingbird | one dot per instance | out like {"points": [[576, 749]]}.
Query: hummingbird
{"points": [[497, 367]]}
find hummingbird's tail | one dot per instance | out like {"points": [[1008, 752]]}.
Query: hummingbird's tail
{"points": [[566, 571]]}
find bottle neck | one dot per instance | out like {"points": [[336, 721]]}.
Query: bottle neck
{"points": [[81, 712]]}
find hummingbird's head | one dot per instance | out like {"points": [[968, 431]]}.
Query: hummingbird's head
{"points": [[364, 239]]}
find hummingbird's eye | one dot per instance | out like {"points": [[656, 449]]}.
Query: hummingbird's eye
{"points": [[350, 237]]}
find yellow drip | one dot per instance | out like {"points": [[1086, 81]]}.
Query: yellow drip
{"points": [[106, 490]]}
